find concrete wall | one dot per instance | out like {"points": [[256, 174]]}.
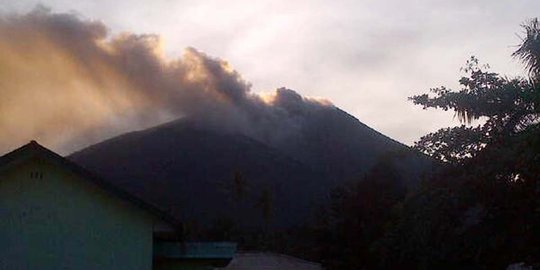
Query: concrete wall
{"points": [[61, 222]]}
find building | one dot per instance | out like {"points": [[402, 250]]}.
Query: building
{"points": [[269, 261], [56, 215]]}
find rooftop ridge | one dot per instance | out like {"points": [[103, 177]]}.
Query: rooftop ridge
{"points": [[34, 149]]}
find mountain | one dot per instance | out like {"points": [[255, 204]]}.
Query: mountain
{"points": [[203, 174]]}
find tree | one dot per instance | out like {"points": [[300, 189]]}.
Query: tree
{"points": [[240, 187], [507, 106], [482, 210], [265, 204], [357, 217], [529, 50]]}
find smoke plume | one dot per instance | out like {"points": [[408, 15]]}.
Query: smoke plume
{"points": [[66, 82]]}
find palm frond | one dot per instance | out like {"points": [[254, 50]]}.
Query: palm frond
{"points": [[529, 50]]}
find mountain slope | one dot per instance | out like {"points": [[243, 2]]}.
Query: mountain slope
{"points": [[189, 167], [191, 171]]}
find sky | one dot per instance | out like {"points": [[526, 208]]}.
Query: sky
{"points": [[366, 57]]}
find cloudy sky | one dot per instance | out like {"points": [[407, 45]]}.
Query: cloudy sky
{"points": [[366, 56]]}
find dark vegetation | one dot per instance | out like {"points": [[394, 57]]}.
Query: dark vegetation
{"points": [[480, 210], [312, 196]]}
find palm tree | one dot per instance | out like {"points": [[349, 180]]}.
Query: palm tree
{"points": [[529, 50], [529, 54]]}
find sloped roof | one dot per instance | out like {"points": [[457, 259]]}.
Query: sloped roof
{"points": [[194, 250], [269, 261], [34, 149]]}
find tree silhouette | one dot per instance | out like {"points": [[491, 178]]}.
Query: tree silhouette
{"points": [[240, 186], [481, 211], [357, 217], [508, 106], [265, 204], [529, 50]]}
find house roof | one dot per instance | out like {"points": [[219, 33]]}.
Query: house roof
{"points": [[194, 250], [34, 149], [269, 261]]}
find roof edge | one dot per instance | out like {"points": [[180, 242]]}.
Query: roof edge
{"points": [[34, 149]]}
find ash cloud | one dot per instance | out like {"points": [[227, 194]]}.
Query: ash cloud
{"points": [[67, 83]]}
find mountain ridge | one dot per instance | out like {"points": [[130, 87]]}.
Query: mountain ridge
{"points": [[191, 168]]}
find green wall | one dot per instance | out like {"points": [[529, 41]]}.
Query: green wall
{"points": [[63, 222]]}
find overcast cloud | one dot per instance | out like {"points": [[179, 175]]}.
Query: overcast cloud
{"points": [[366, 57]]}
